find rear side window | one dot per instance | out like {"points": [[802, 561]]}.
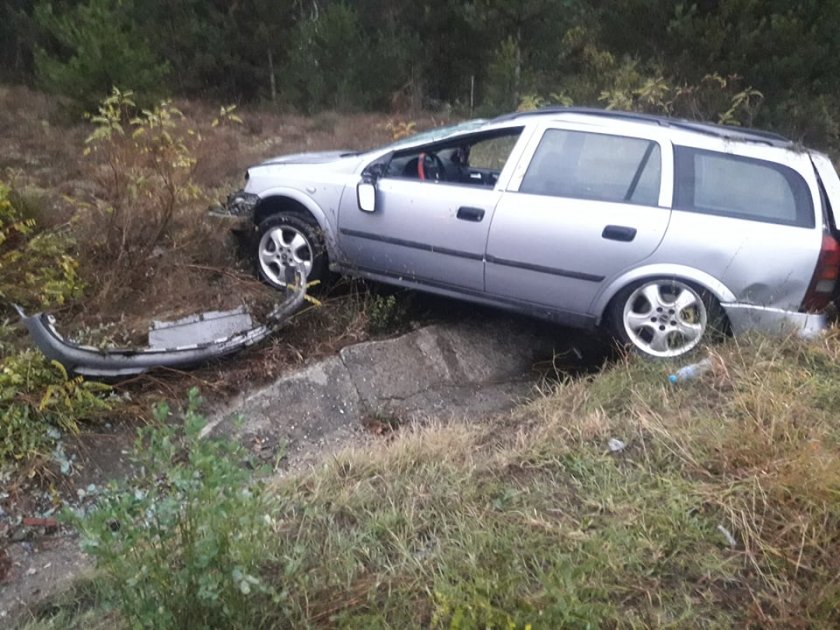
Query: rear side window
{"points": [[585, 165], [741, 187]]}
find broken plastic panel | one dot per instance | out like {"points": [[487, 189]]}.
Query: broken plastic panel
{"points": [[182, 343]]}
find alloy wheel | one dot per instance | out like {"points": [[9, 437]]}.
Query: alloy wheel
{"points": [[281, 247], [665, 318]]}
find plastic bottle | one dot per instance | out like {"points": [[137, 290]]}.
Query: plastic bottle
{"points": [[691, 371]]}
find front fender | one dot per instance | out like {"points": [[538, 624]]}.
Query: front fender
{"points": [[719, 290]]}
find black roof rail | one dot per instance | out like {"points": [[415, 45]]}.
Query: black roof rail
{"points": [[728, 132]]}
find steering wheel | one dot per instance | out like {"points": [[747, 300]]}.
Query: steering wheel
{"points": [[430, 166]]}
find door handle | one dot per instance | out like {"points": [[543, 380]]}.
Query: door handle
{"points": [[619, 233], [466, 213]]}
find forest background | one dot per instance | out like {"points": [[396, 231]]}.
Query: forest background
{"points": [[767, 63]]}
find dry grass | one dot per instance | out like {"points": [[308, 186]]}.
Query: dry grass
{"points": [[722, 511], [527, 520], [43, 156], [157, 254], [146, 246], [532, 520], [139, 272]]}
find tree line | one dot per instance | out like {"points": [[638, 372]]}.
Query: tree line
{"points": [[771, 63]]}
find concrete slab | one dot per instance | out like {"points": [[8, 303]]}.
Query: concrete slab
{"points": [[300, 407], [440, 371]]}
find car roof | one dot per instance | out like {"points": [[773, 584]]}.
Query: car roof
{"points": [[724, 132]]}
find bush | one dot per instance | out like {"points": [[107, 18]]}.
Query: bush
{"points": [[180, 544], [36, 269], [146, 182], [388, 313], [39, 401], [724, 100]]}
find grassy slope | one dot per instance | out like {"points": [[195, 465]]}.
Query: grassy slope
{"points": [[531, 520], [534, 521]]}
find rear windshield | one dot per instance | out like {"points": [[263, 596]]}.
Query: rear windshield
{"points": [[741, 187]]}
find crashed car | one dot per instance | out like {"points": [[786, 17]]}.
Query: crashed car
{"points": [[662, 232]]}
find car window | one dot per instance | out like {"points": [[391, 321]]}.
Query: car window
{"points": [[492, 153], [746, 188], [602, 167], [474, 159]]}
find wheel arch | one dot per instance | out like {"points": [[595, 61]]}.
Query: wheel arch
{"points": [[689, 275], [278, 200]]}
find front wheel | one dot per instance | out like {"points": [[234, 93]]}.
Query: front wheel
{"points": [[286, 241], [664, 318]]}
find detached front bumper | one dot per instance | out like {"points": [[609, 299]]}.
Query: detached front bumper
{"points": [[183, 343], [775, 321]]}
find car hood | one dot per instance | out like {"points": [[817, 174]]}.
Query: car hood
{"points": [[319, 157]]}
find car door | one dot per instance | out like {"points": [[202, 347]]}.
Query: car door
{"points": [[583, 204], [430, 231]]}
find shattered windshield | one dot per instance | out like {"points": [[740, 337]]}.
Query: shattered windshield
{"points": [[436, 133]]}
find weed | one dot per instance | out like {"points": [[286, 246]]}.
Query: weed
{"points": [[387, 313], [227, 116], [36, 269], [180, 545], [7, 335], [400, 129], [39, 401], [532, 521], [713, 97]]}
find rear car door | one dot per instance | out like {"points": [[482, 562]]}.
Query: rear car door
{"points": [[583, 204]]}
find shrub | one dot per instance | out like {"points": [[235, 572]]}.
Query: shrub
{"points": [[179, 545], [387, 313], [146, 182], [36, 269], [724, 100], [38, 401]]}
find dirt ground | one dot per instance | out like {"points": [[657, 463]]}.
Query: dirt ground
{"points": [[40, 557], [41, 157]]}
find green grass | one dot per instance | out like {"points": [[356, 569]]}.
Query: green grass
{"points": [[531, 521]]}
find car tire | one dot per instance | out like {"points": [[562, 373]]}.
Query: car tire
{"points": [[664, 318], [286, 240]]}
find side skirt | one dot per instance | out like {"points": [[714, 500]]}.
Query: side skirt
{"points": [[564, 318]]}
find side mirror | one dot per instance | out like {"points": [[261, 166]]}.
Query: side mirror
{"points": [[366, 195]]}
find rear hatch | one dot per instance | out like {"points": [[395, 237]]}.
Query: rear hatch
{"points": [[829, 256], [831, 188]]}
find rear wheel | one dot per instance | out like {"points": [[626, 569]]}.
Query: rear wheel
{"points": [[289, 241], [664, 318]]}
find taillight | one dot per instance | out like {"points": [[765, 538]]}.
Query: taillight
{"points": [[824, 282]]}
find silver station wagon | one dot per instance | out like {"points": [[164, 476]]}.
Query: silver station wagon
{"points": [[662, 232]]}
